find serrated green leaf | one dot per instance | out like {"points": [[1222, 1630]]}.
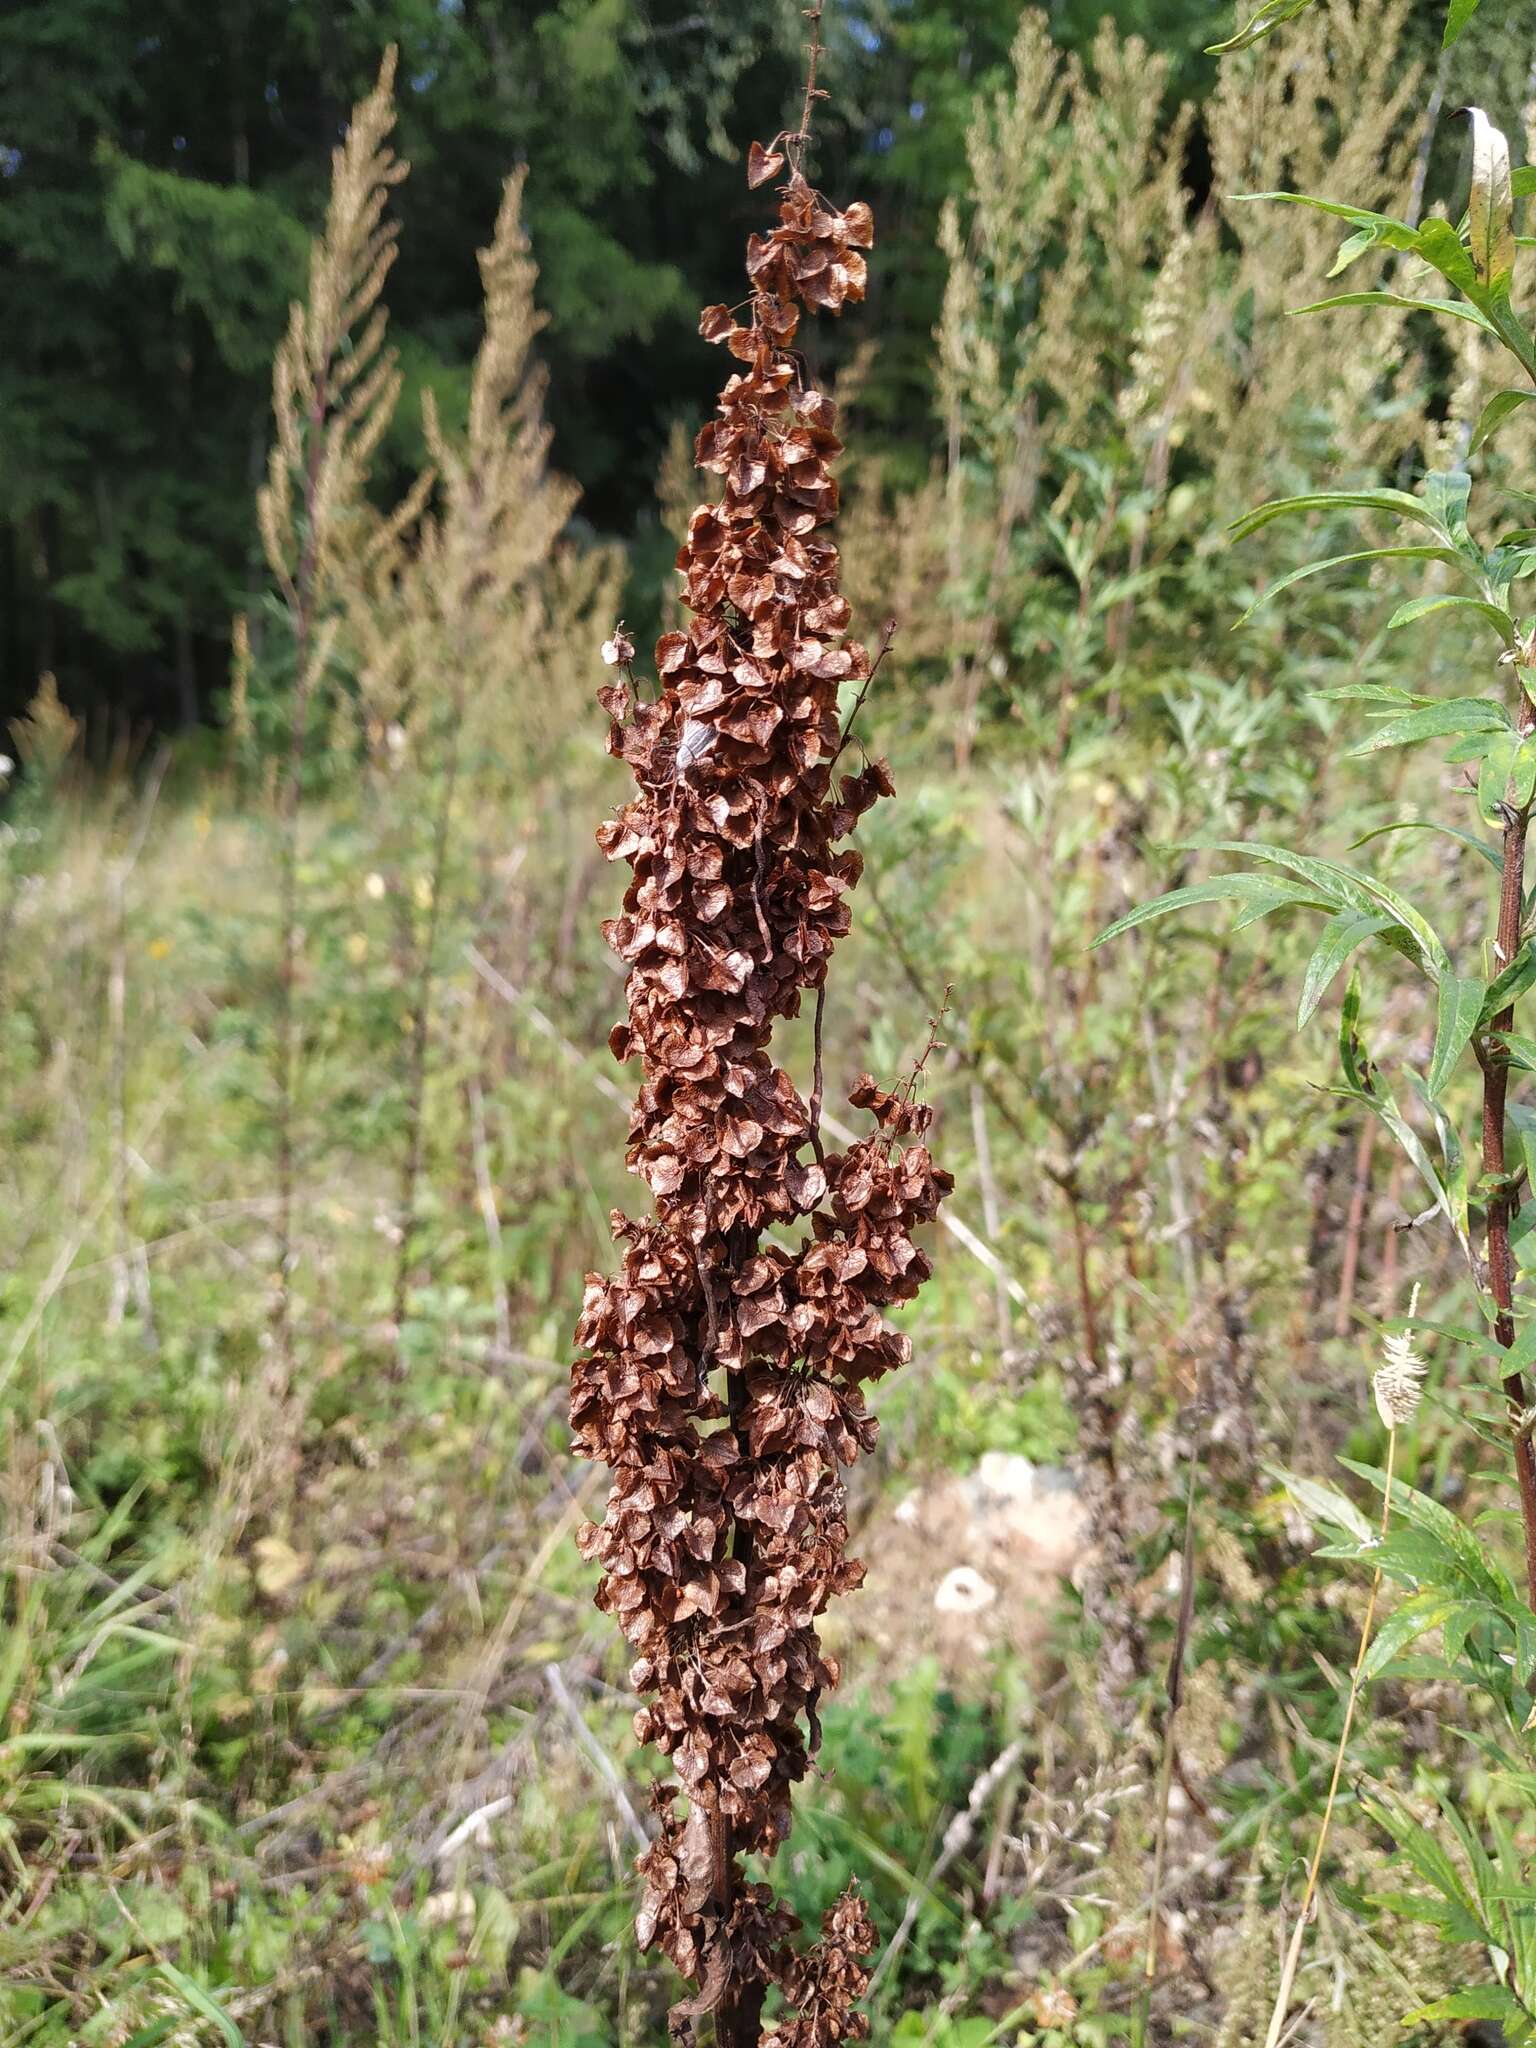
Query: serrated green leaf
{"points": [[1459, 715], [1341, 935], [1456, 1016]]}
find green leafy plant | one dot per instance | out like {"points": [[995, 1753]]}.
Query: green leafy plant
{"points": [[1457, 1586], [1275, 13]]}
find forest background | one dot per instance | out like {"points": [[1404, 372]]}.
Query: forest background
{"points": [[309, 1132]]}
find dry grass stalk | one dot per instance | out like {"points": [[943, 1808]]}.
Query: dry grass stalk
{"points": [[334, 390], [1396, 1388]]}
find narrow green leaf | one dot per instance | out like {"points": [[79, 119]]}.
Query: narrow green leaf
{"points": [[1456, 1016], [1492, 2001], [1447, 493], [1496, 411], [1421, 607], [1457, 15], [1257, 908], [1244, 888], [1458, 309], [1394, 504], [200, 2002], [1468, 839], [1415, 1617], [1370, 693], [1326, 1504], [1412, 554], [1440, 245], [1453, 1160], [1341, 935], [1352, 885], [156, 2031], [1396, 234], [1519, 1052], [1268, 18], [1436, 721], [1493, 776], [1483, 1574]]}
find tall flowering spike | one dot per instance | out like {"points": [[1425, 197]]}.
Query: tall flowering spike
{"points": [[721, 1377]]}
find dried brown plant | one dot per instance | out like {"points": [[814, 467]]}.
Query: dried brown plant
{"points": [[334, 391], [721, 1372]]}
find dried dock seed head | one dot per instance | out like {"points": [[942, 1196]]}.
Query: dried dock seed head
{"points": [[721, 1377]]}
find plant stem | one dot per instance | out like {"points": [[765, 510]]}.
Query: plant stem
{"points": [[420, 1018], [1502, 1201], [1293, 1952], [288, 878]]}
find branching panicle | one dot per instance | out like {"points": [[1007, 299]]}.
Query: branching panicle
{"points": [[721, 1377]]}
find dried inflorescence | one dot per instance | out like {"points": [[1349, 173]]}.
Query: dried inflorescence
{"points": [[721, 1377]]}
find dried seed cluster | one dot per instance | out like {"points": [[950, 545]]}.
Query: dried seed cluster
{"points": [[721, 1377]]}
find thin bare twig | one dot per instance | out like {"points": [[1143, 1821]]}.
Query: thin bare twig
{"points": [[956, 1840], [560, 1692]]}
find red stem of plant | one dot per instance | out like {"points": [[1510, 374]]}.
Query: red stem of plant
{"points": [[1502, 1203]]}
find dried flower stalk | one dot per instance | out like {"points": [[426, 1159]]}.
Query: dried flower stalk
{"points": [[721, 1377]]}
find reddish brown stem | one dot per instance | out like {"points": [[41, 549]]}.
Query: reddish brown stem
{"points": [[1353, 1229], [1502, 1201]]}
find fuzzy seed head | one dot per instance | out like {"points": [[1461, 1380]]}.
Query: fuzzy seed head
{"points": [[1399, 1380]]}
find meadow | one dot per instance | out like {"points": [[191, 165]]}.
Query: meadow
{"points": [[1146, 1730]]}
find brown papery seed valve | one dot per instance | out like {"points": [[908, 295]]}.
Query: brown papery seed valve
{"points": [[721, 1374]]}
